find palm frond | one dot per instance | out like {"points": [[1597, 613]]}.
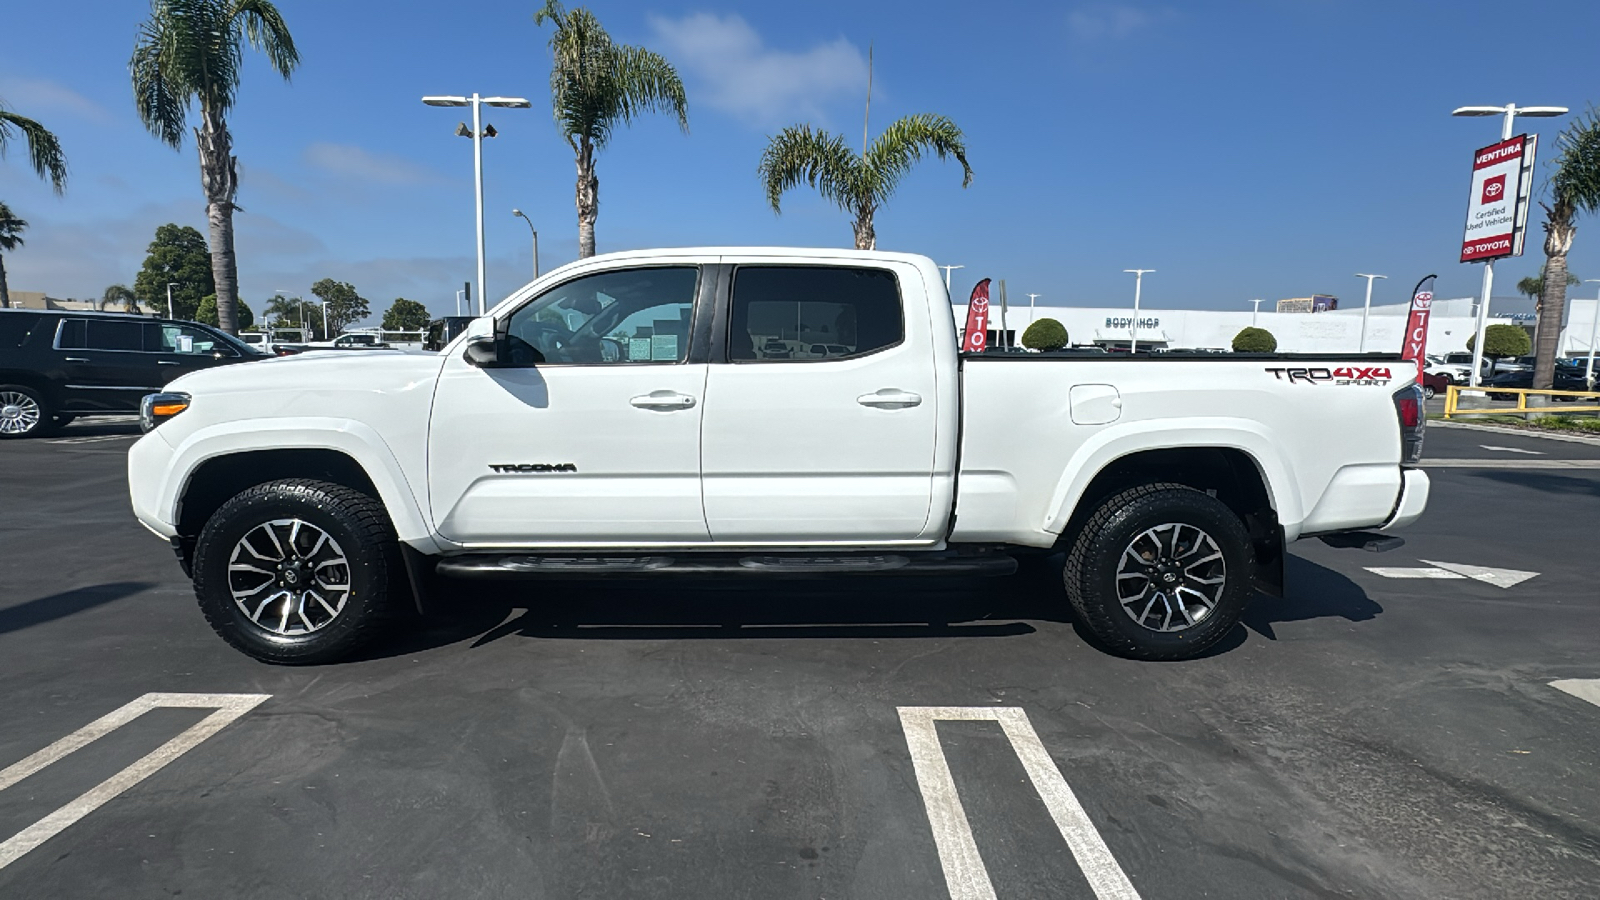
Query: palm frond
{"points": [[1576, 182], [904, 142], [646, 82], [161, 107], [191, 51], [44, 149], [11, 229], [798, 155], [265, 29]]}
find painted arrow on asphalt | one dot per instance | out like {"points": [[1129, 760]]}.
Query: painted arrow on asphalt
{"points": [[1582, 688], [1503, 578], [1512, 450]]}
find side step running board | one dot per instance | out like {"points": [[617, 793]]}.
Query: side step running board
{"points": [[512, 566]]}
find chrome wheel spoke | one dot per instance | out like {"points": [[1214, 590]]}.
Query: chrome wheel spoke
{"points": [[300, 599]]}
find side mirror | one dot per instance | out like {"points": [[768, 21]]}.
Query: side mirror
{"points": [[483, 352]]}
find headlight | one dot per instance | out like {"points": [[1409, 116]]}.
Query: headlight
{"points": [[157, 408]]}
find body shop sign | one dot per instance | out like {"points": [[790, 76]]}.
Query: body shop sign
{"points": [[1493, 218]]}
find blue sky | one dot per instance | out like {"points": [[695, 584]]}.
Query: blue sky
{"points": [[1250, 148]]}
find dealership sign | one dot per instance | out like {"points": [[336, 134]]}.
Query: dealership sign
{"points": [[976, 336], [1415, 348], [1497, 209]]}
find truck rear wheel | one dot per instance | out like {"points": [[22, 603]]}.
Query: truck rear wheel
{"points": [[1160, 572], [297, 571]]}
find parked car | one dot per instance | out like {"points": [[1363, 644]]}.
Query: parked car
{"points": [[58, 365], [1567, 378], [531, 450], [1452, 373], [443, 331], [356, 340], [276, 341]]}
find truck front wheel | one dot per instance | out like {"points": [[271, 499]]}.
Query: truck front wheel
{"points": [[297, 571], [1160, 572]]}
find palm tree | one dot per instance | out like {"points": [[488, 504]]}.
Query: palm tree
{"points": [[119, 295], [44, 150], [1574, 188], [1532, 287], [191, 51], [596, 85], [11, 229], [860, 185]]}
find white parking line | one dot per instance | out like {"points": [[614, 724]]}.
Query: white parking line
{"points": [[1512, 450], [1582, 688], [964, 872], [94, 439], [1411, 572], [228, 708]]}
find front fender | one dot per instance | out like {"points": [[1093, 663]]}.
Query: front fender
{"points": [[356, 440], [1117, 441]]}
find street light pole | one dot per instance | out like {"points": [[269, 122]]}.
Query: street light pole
{"points": [[1138, 281], [1030, 307], [524, 216], [477, 134], [947, 276], [1367, 309], [1510, 112], [1594, 331], [170, 286], [1256, 311]]}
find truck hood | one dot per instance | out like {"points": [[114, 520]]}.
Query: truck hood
{"points": [[323, 372]]}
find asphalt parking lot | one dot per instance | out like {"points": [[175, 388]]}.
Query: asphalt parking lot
{"points": [[1388, 735]]}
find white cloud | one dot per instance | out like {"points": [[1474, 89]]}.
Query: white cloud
{"points": [[734, 72], [351, 161], [1113, 21], [36, 98]]}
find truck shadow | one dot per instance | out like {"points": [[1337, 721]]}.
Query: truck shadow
{"points": [[67, 603], [845, 608]]}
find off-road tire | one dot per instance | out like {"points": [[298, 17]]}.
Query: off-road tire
{"points": [[43, 425], [360, 526], [1092, 564]]}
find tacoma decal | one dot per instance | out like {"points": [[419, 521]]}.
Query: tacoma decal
{"points": [[532, 468]]}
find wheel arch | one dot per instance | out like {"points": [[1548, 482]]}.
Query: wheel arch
{"points": [[1232, 474], [214, 464]]}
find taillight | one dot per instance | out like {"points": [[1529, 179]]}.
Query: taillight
{"points": [[1413, 419]]}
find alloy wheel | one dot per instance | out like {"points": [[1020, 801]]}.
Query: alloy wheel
{"points": [[289, 577], [1171, 577], [19, 413]]}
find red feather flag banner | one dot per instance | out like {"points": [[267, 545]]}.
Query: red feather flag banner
{"points": [[1416, 340], [976, 337]]}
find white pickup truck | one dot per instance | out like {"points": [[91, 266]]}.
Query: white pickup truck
{"points": [[645, 413]]}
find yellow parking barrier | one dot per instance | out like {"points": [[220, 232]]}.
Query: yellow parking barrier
{"points": [[1452, 397]]}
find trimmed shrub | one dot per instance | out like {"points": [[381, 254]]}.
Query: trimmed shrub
{"points": [[1255, 340], [1503, 341], [1045, 334]]}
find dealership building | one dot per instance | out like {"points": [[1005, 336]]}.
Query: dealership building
{"points": [[1336, 330]]}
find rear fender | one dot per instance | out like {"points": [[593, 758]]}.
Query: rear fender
{"points": [[1116, 442]]}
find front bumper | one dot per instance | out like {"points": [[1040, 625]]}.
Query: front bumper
{"points": [[149, 467], [1414, 486]]}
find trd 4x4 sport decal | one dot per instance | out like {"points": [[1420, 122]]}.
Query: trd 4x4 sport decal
{"points": [[1359, 375]]}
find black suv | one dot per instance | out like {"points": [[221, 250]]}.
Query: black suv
{"points": [[58, 365]]}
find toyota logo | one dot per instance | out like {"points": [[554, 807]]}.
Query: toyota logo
{"points": [[1493, 190]]}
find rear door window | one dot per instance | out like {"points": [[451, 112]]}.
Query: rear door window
{"points": [[107, 334], [73, 335], [778, 312]]}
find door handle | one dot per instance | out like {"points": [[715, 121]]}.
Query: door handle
{"points": [[665, 400], [76, 359], [890, 398], [168, 362]]}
